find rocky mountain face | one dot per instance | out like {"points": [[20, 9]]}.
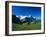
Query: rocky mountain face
{"points": [[28, 19], [21, 20]]}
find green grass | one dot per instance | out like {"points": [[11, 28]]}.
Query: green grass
{"points": [[32, 26]]}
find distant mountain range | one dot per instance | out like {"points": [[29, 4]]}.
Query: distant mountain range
{"points": [[20, 19]]}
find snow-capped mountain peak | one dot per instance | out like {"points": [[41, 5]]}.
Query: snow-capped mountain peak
{"points": [[21, 17]]}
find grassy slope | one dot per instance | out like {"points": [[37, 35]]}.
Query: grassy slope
{"points": [[33, 26]]}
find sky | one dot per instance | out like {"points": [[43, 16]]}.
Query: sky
{"points": [[26, 11]]}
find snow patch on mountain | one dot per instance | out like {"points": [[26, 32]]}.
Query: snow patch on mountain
{"points": [[22, 17]]}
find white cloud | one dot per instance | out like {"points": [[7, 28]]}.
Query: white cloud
{"points": [[34, 17], [38, 17]]}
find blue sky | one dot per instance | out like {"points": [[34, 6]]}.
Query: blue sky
{"points": [[26, 11]]}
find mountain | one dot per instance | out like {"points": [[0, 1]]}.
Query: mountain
{"points": [[22, 19], [26, 19], [15, 19]]}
